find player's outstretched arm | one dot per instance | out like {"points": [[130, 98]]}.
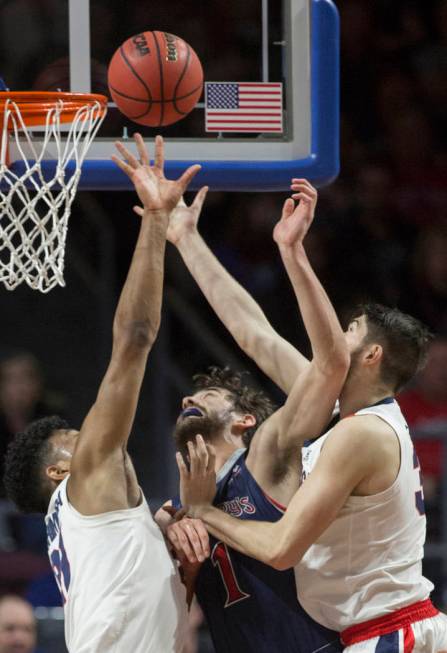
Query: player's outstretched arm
{"points": [[237, 310], [314, 507], [313, 396], [106, 428], [311, 400]]}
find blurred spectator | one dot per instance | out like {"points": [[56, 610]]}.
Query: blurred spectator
{"points": [[17, 625], [426, 293], [22, 396], [425, 407]]}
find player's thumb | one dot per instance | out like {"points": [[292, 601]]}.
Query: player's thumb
{"points": [[288, 208], [200, 198], [138, 210]]}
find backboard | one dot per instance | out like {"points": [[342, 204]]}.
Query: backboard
{"points": [[295, 42]]}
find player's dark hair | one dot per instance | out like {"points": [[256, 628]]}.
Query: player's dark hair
{"points": [[245, 399], [24, 478], [404, 340]]}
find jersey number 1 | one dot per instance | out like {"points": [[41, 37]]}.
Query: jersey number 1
{"points": [[220, 557]]}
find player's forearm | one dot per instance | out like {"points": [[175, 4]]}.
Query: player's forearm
{"points": [[240, 314], [320, 320], [253, 538], [139, 308]]}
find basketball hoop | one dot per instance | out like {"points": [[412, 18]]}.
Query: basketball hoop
{"points": [[34, 205]]}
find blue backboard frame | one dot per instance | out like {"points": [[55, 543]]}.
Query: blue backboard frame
{"points": [[322, 164]]}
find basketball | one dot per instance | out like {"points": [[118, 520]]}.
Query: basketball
{"points": [[155, 78]]}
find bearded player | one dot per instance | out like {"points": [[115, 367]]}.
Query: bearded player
{"points": [[248, 605]]}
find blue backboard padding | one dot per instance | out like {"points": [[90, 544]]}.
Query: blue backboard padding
{"points": [[320, 168]]}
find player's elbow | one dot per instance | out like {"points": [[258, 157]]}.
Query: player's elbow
{"points": [[136, 335], [337, 364], [283, 556]]}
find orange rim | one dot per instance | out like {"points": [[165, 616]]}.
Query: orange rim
{"points": [[34, 105]]}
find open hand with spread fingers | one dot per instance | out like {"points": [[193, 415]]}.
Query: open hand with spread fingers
{"points": [[154, 191], [198, 483], [296, 219]]}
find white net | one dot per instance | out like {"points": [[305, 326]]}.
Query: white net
{"points": [[34, 209]]}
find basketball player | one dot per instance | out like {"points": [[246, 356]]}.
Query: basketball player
{"points": [[120, 588], [355, 529], [248, 605]]}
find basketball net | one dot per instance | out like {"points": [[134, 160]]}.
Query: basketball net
{"points": [[35, 207]]}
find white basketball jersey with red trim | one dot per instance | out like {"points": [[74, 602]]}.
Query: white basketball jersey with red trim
{"points": [[368, 562], [121, 589]]}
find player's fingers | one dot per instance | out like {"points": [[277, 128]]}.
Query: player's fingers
{"points": [[182, 468], [138, 210], [123, 165], [127, 155], [200, 198], [181, 201], [159, 158], [194, 540], [202, 533], [142, 151], [302, 197], [180, 542], [193, 459], [211, 458], [187, 176], [202, 453], [305, 182], [288, 208]]}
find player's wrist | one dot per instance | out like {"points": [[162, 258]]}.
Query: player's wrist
{"points": [[186, 237], [196, 511]]}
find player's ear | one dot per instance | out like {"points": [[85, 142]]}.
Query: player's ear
{"points": [[242, 423], [58, 471], [373, 354]]}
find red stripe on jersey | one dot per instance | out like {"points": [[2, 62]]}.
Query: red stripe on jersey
{"points": [[275, 503], [408, 640]]}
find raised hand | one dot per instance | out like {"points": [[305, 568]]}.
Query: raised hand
{"points": [[296, 219], [183, 219], [153, 189], [198, 483]]}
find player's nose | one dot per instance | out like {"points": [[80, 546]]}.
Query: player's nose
{"points": [[187, 402]]}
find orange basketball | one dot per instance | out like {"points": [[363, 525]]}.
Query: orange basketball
{"points": [[155, 78]]}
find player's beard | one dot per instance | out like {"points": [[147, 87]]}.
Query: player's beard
{"points": [[210, 428]]}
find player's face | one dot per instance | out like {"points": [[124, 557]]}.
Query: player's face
{"points": [[205, 402], [355, 333], [207, 412]]}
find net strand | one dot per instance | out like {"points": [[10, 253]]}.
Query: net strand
{"points": [[34, 209]]}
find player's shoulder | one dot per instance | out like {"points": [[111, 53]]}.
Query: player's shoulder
{"points": [[364, 434]]}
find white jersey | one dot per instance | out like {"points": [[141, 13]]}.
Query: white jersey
{"points": [[121, 590], [368, 562]]}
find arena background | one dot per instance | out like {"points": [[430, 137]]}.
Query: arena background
{"points": [[380, 234]]}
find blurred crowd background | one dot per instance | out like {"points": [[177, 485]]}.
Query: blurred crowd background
{"points": [[380, 234]]}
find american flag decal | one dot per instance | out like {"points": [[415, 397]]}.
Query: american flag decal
{"points": [[243, 107]]}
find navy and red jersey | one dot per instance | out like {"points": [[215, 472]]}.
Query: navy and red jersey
{"points": [[248, 605]]}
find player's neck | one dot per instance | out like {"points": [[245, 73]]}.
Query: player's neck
{"points": [[356, 396], [224, 450]]}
